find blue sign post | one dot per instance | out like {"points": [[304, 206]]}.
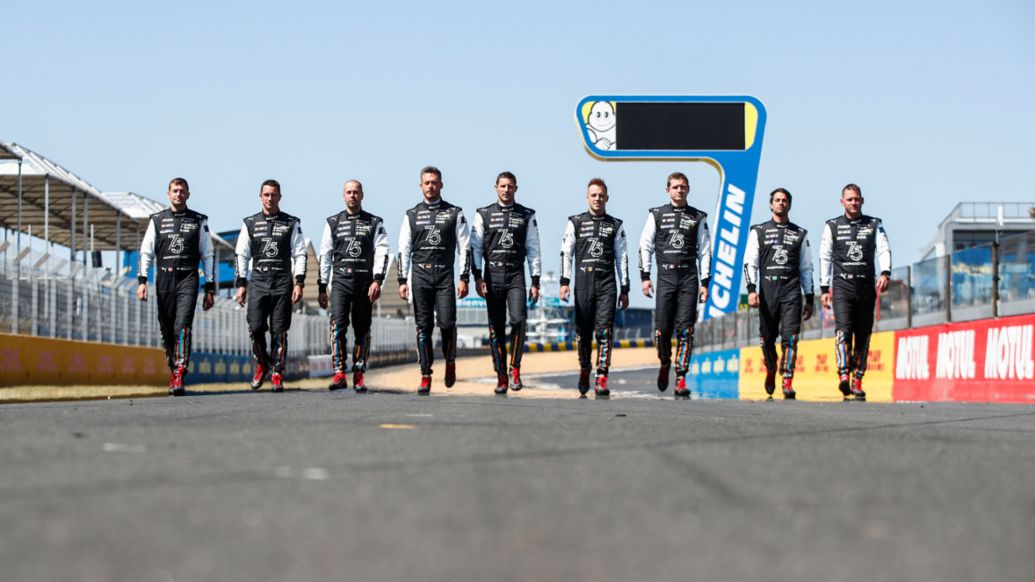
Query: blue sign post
{"points": [[725, 132]]}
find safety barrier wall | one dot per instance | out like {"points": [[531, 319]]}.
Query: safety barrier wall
{"points": [[47, 361], [989, 360]]}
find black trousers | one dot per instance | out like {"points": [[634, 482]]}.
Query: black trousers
{"points": [[596, 295], [269, 309], [779, 313], [854, 301], [434, 297], [177, 296], [350, 303], [506, 295], [675, 311]]}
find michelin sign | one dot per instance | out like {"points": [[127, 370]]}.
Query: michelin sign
{"points": [[725, 132]]}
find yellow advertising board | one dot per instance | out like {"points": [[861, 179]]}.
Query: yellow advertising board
{"points": [[815, 376], [27, 360]]}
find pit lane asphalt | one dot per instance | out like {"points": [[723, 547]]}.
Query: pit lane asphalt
{"points": [[316, 486]]}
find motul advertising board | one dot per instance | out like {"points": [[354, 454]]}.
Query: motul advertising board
{"points": [[990, 360]]}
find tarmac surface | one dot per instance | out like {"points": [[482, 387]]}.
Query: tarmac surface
{"points": [[312, 485]]}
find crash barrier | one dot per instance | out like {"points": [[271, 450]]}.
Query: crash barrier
{"points": [[28, 360], [989, 360], [568, 346]]}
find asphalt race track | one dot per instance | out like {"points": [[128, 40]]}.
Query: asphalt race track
{"points": [[386, 486]]}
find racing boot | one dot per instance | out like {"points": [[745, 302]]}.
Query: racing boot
{"points": [[788, 390], [450, 374], [857, 389], [770, 383], [358, 383], [584, 381], [663, 377], [501, 385], [601, 389], [425, 386], [515, 379], [339, 382], [681, 390], [176, 388], [259, 377], [844, 386], [277, 382]]}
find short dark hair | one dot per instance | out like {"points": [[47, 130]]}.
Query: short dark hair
{"points": [[853, 188], [270, 182], [508, 175], [790, 199], [431, 170], [597, 182], [179, 182], [676, 176]]}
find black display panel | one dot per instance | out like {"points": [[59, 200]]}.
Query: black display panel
{"points": [[679, 126]]}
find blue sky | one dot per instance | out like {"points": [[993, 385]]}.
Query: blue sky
{"points": [[924, 104]]}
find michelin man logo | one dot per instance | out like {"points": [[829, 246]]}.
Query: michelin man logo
{"points": [[600, 122]]}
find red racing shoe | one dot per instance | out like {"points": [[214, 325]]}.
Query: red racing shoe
{"points": [[844, 385], [259, 377], [425, 386], [339, 382], [857, 390], [501, 385], [176, 388], [788, 390], [515, 379], [358, 383], [601, 389], [277, 381], [681, 390]]}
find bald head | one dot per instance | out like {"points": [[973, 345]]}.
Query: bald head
{"points": [[353, 195]]}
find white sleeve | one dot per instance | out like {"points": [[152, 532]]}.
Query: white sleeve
{"points": [[647, 246], [704, 251], [567, 252], [622, 259], [298, 255], [208, 253], [883, 249], [244, 254], [463, 244], [147, 251], [326, 254], [751, 260], [826, 254], [533, 256], [402, 262], [381, 251], [477, 232], [805, 268]]}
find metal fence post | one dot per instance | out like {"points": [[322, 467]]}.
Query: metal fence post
{"points": [[995, 279], [909, 296], [948, 288]]}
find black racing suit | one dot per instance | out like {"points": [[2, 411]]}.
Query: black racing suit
{"points": [[848, 253], [601, 271], [276, 249], [353, 254], [679, 239], [504, 238], [430, 238], [778, 266], [176, 242]]}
